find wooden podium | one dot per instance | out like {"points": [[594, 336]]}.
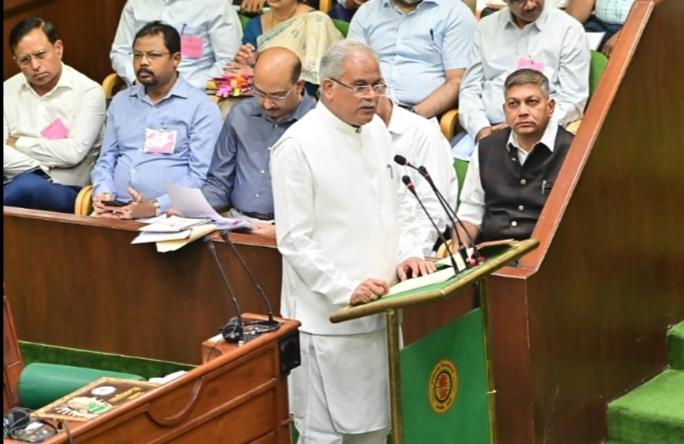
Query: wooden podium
{"points": [[239, 394], [391, 304]]}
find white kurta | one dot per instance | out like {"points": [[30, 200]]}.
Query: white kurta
{"points": [[422, 143], [342, 216]]}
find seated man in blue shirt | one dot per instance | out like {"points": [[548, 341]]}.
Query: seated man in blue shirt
{"points": [[424, 49], [239, 176], [162, 130]]}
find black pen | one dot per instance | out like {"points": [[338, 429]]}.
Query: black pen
{"points": [[432, 35]]}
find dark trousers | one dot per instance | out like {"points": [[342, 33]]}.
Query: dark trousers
{"points": [[595, 25], [29, 190]]}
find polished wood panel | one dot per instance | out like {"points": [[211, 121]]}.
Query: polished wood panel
{"points": [[583, 320], [238, 396], [12, 362], [86, 27], [78, 282]]}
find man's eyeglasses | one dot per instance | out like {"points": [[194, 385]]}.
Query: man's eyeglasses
{"points": [[380, 88], [151, 56], [275, 97], [26, 60]]}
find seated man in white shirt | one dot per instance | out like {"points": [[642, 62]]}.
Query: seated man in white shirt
{"points": [[512, 172], [526, 34], [421, 143], [52, 122]]}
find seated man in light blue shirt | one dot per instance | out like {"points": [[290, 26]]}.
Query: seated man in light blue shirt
{"points": [[210, 35], [526, 34], [161, 131], [608, 17], [423, 46], [239, 176]]}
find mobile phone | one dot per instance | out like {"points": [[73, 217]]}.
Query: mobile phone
{"points": [[114, 203]]}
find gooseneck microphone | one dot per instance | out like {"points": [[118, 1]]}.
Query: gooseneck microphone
{"points": [[271, 324], [411, 187], [233, 331], [450, 212]]}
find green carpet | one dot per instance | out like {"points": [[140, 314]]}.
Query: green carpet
{"points": [[675, 343], [653, 413]]}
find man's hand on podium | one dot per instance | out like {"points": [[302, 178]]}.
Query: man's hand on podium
{"points": [[414, 267], [369, 290]]}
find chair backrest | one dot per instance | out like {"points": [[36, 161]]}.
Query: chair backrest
{"points": [[341, 26], [596, 68], [84, 201]]}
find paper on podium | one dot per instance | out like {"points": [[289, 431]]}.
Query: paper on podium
{"points": [[423, 281]]}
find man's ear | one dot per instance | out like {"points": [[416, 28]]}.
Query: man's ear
{"points": [[551, 104], [300, 86], [59, 48], [176, 59], [327, 89]]}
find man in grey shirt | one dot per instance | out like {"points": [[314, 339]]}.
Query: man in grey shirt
{"points": [[239, 177], [526, 34]]}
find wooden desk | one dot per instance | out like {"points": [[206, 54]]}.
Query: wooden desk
{"points": [[78, 282], [208, 404]]}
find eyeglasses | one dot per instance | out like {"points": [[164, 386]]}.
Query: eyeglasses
{"points": [[379, 87], [26, 60], [275, 97], [151, 56]]}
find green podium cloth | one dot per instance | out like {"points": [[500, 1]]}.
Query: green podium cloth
{"points": [[41, 384]]}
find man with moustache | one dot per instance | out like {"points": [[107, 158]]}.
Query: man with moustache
{"points": [[239, 177], [344, 226], [513, 170], [52, 122], [161, 130], [526, 34], [423, 46]]}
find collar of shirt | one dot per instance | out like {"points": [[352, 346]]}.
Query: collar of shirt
{"points": [[66, 80], [336, 122], [387, 3], [179, 89], [304, 106], [540, 23], [399, 122], [547, 140]]}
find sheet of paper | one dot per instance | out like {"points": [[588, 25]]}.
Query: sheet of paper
{"points": [[594, 39], [145, 237], [190, 202], [196, 233], [423, 281], [174, 224]]}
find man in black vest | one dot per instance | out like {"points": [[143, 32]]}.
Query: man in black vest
{"points": [[512, 172]]}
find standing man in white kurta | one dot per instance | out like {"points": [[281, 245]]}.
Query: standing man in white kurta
{"points": [[343, 223]]}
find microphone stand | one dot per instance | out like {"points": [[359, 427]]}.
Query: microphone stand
{"points": [[233, 331]]}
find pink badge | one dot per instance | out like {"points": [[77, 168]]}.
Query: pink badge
{"points": [[160, 142], [192, 46], [524, 63], [55, 130]]}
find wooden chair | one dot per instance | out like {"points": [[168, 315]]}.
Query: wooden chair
{"points": [[84, 201], [111, 85]]}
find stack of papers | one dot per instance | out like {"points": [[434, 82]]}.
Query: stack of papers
{"points": [[174, 232]]}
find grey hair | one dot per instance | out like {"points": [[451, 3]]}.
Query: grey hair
{"points": [[528, 76], [332, 63]]}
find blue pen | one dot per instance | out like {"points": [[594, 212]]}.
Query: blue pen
{"points": [[432, 35], [183, 28]]}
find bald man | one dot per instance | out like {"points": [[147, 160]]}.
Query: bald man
{"points": [[239, 179]]}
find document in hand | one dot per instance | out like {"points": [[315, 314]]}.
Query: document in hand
{"points": [[190, 202], [173, 224]]}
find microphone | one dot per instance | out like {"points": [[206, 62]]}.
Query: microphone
{"points": [[233, 331], [411, 187], [451, 214], [450, 211], [271, 324]]}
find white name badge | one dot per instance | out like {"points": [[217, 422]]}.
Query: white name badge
{"points": [[160, 141]]}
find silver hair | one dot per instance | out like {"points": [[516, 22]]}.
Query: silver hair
{"points": [[528, 76], [332, 63]]}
